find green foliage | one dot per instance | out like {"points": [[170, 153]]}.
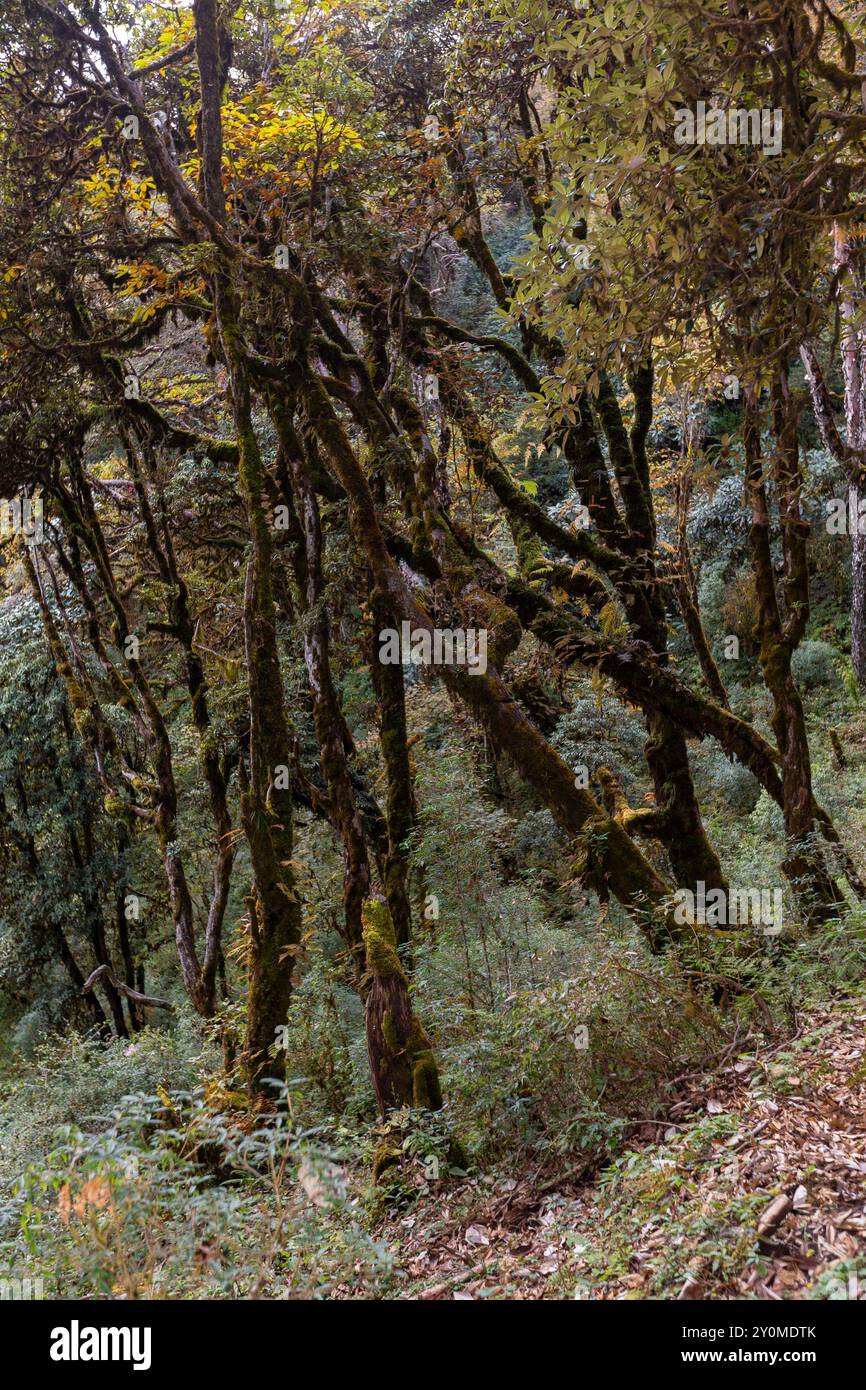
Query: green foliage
{"points": [[727, 784], [551, 214], [51, 811], [171, 1199], [79, 1079], [597, 733], [816, 664], [565, 1067]]}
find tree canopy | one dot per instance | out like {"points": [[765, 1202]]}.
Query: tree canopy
{"points": [[418, 418]]}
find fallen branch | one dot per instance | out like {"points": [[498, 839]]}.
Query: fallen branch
{"points": [[124, 989]]}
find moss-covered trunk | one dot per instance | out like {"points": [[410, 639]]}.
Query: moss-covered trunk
{"points": [[780, 635], [266, 799], [331, 729], [266, 795], [402, 1063], [400, 811], [180, 624], [680, 825]]}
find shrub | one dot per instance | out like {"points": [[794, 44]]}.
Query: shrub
{"points": [[814, 664], [175, 1199]]}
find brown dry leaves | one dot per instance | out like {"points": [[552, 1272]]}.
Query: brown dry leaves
{"points": [[95, 1195], [799, 1141]]}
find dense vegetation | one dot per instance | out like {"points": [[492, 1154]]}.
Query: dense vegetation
{"points": [[434, 629]]}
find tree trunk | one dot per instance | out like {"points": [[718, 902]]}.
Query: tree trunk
{"points": [[391, 693], [402, 1063], [858, 588], [816, 892]]}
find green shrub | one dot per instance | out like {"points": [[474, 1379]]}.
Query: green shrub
{"points": [[815, 664]]}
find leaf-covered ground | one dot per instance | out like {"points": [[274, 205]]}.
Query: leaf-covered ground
{"points": [[753, 1186]]}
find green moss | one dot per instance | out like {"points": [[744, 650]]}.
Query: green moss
{"points": [[115, 807], [426, 1091], [387, 1156], [389, 1033], [379, 942], [83, 720]]}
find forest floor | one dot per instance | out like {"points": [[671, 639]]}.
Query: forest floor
{"points": [[757, 1189]]}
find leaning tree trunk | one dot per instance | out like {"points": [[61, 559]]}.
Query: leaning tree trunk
{"points": [[608, 857]]}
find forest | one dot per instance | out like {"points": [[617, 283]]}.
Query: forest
{"points": [[433, 633]]}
